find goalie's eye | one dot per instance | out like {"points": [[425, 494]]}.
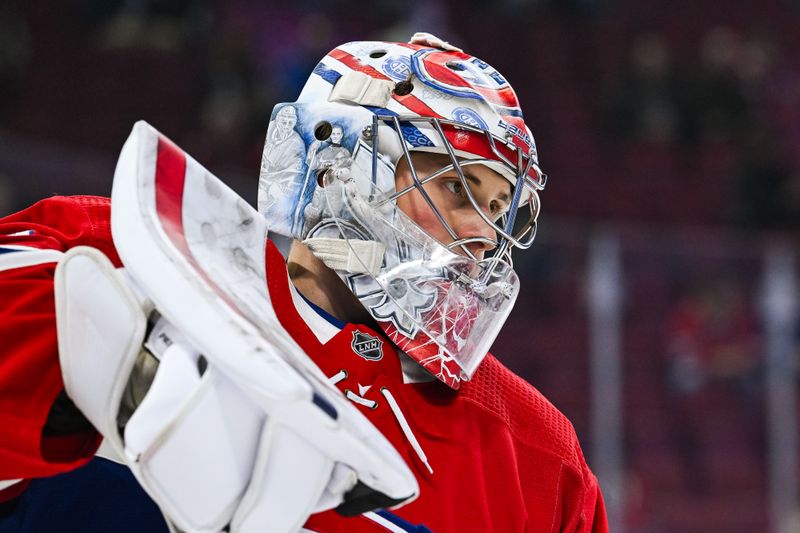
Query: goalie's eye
{"points": [[455, 187], [498, 208]]}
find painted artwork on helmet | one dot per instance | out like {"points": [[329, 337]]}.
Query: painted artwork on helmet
{"points": [[292, 161], [282, 164], [322, 155]]}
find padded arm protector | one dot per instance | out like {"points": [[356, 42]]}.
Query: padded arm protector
{"points": [[205, 452]]}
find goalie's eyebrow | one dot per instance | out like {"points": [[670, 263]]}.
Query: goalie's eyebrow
{"points": [[476, 181]]}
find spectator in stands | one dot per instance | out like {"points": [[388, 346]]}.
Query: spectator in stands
{"points": [[768, 192], [714, 106], [712, 360], [645, 103], [15, 52], [712, 339]]}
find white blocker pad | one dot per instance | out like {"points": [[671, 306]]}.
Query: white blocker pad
{"points": [[101, 326], [196, 442], [197, 250]]}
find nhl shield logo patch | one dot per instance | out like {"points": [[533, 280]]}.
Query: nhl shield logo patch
{"points": [[367, 346]]}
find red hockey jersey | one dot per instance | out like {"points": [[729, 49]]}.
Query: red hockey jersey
{"points": [[493, 456]]}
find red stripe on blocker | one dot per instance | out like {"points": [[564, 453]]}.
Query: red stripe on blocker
{"points": [[170, 181], [170, 184]]}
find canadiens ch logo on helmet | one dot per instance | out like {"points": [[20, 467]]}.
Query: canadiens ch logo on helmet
{"points": [[398, 68], [467, 78], [367, 346], [469, 117]]}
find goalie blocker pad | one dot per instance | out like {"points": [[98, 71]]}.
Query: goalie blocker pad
{"points": [[259, 437], [195, 440], [197, 250], [192, 441]]}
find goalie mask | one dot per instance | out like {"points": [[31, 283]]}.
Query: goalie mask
{"points": [[328, 178]]}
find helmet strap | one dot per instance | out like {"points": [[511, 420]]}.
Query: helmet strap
{"points": [[358, 88], [354, 257]]}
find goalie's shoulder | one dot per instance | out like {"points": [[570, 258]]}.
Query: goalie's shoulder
{"points": [[523, 410]]}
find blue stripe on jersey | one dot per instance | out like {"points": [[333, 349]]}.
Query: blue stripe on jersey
{"points": [[323, 313], [99, 497], [404, 524], [9, 250]]}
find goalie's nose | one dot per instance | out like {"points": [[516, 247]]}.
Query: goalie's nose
{"points": [[480, 237]]}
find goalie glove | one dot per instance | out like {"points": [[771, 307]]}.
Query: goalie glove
{"points": [[238, 427]]}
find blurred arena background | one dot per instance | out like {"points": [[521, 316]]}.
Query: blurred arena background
{"points": [[659, 304]]}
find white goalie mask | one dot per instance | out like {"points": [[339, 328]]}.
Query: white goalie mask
{"points": [[328, 178]]}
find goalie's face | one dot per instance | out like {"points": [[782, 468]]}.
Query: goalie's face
{"points": [[460, 227]]}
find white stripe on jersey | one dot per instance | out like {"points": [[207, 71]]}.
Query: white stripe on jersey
{"points": [[9, 483], [15, 256], [378, 519], [323, 329]]}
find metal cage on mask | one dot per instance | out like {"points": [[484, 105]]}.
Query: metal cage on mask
{"points": [[442, 307], [523, 173]]}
